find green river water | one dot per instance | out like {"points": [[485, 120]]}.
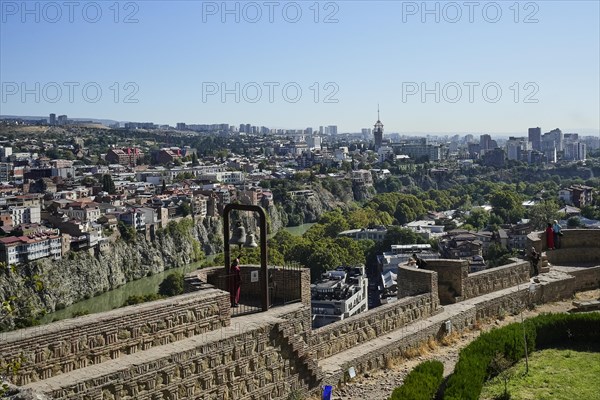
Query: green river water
{"points": [[115, 298]]}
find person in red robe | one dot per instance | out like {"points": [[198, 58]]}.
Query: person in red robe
{"points": [[549, 237], [235, 282]]}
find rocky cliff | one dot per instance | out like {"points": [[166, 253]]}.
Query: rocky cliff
{"points": [[42, 285]]}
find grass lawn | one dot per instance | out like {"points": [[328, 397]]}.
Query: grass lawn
{"points": [[553, 375]]}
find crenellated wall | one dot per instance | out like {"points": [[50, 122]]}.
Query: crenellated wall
{"points": [[251, 359], [61, 347]]}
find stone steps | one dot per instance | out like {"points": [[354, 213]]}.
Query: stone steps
{"points": [[300, 349]]}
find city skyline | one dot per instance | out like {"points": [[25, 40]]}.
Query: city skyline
{"points": [[315, 129], [512, 67]]}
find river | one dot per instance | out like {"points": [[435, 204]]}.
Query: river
{"points": [[116, 297]]}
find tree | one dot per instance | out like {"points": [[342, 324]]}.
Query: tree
{"points": [[107, 184], [335, 222], [172, 285], [507, 205], [185, 209], [399, 235], [574, 222], [500, 365], [127, 232], [542, 213], [590, 212], [498, 255], [479, 218]]}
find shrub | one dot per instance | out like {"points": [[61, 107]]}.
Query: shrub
{"points": [[80, 313], [547, 330], [133, 299], [172, 285], [421, 383]]}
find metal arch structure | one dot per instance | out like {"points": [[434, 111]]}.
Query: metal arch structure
{"points": [[264, 278]]}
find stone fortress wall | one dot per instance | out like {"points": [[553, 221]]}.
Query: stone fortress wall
{"points": [[188, 347]]}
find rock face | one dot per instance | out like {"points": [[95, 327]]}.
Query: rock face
{"points": [[305, 209], [44, 284], [15, 393]]}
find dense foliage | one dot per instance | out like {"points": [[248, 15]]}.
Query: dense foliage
{"points": [[172, 285], [421, 383], [549, 330]]}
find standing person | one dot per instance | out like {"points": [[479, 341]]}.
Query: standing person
{"points": [[235, 282], [549, 237], [534, 259], [557, 234], [419, 261]]}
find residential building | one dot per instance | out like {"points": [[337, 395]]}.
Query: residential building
{"points": [[576, 195], [134, 218], [127, 156], [362, 177], [575, 151], [25, 214], [338, 295], [516, 148], [377, 234], [22, 249], [85, 212], [167, 156]]}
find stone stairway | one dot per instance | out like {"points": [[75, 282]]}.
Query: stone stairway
{"points": [[308, 367]]}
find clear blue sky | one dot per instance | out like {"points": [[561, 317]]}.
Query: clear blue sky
{"points": [[377, 52]]}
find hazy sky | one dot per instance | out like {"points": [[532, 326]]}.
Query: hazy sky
{"points": [[433, 67]]}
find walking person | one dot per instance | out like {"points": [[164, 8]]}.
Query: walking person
{"points": [[235, 282], [549, 237], [557, 234]]}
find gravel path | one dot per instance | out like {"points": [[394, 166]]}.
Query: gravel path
{"points": [[379, 384]]}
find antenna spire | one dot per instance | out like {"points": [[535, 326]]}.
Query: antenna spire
{"points": [[378, 119]]}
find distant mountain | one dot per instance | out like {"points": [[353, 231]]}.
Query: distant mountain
{"points": [[106, 122]]}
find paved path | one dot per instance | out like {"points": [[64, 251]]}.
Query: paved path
{"points": [[333, 364]]}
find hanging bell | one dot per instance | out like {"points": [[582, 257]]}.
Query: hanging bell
{"points": [[251, 241], [239, 236]]}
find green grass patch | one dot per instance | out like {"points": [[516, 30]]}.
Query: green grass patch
{"points": [[553, 375]]}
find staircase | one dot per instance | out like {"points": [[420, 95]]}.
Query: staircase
{"points": [[306, 365]]}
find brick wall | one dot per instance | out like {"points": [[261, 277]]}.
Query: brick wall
{"points": [[250, 360], [342, 335], [68, 345], [450, 275], [494, 279], [413, 282]]}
